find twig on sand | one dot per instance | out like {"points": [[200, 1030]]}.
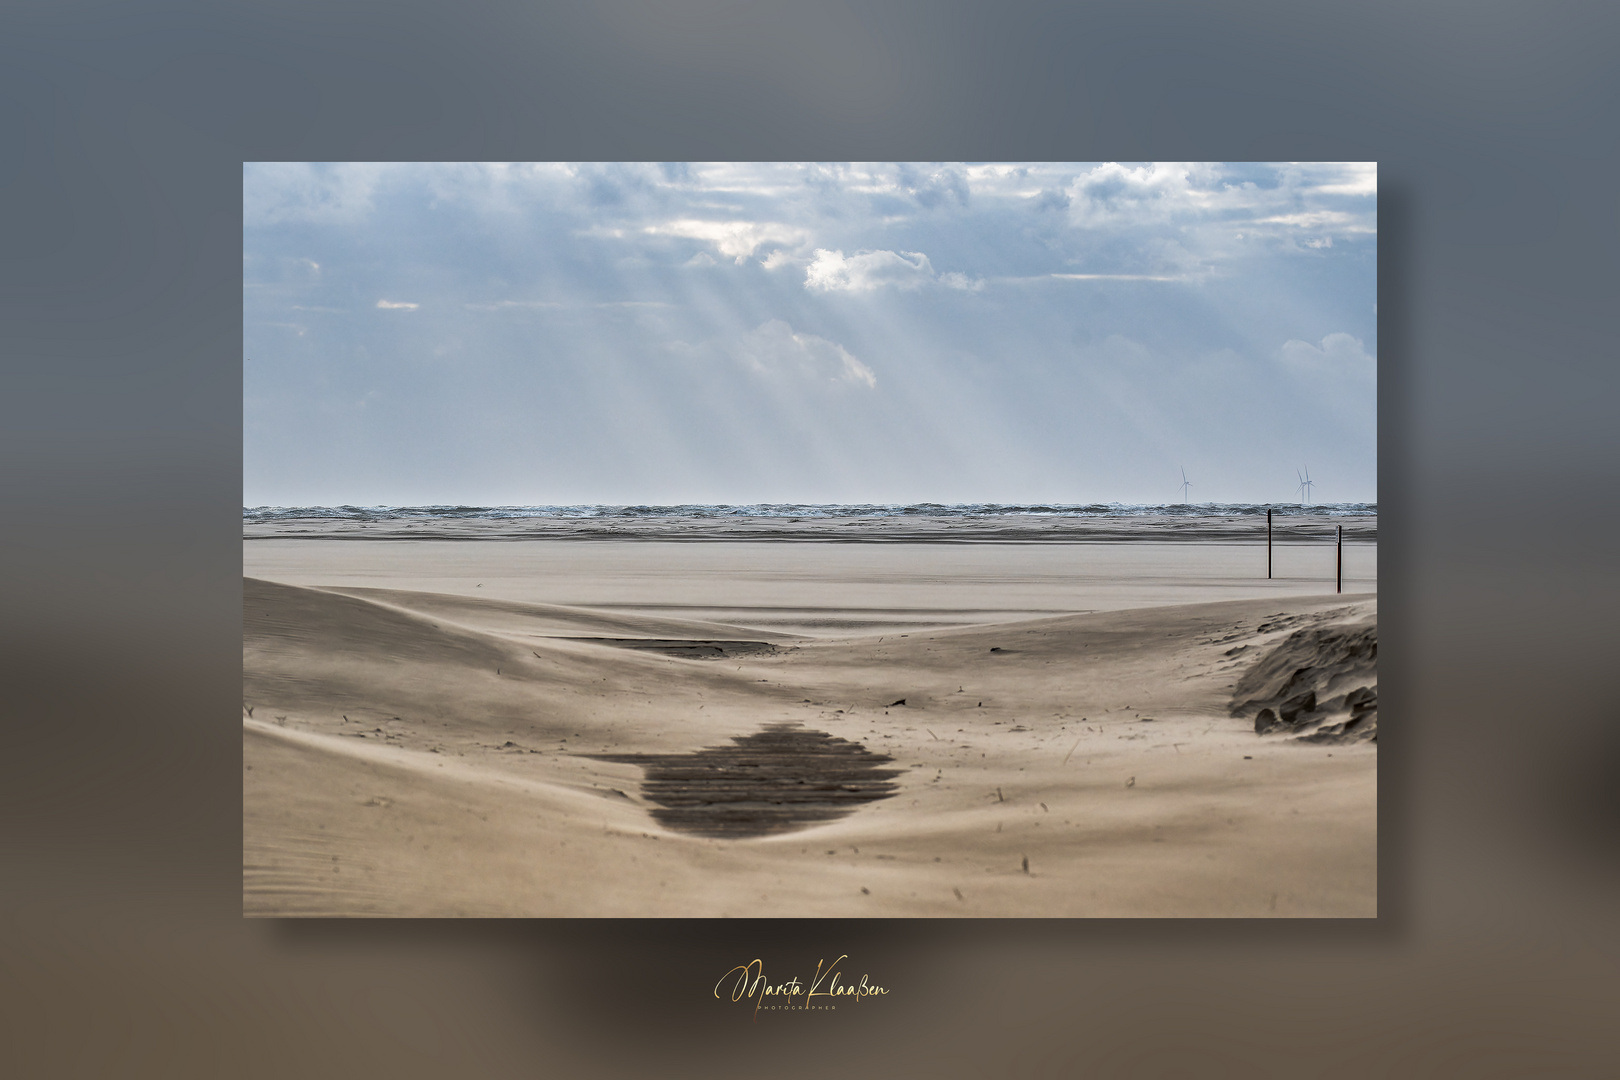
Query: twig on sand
{"points": [[932, 735], [999, 796], [1026, 864], [249, 710], [1070, 754]]}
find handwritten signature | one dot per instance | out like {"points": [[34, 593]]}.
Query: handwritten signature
{"points": [[748, 983]]}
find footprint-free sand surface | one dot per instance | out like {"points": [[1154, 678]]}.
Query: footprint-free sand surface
{"points": [[713, 728]]}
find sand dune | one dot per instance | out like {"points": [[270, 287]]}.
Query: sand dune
{"points": [[422, 753]]}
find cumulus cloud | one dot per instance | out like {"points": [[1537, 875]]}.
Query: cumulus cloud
{"points": [[774, 348], [397, 305], [1339, 353], [832, 271], [864, 271], [734, 239], [932, 186], [953, 280], [1050, 199], [1118, 194]]}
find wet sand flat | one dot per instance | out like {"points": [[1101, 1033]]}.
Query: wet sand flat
{"points": [[820, 589]]}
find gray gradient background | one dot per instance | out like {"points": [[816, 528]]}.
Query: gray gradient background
{"points": [[124, 131]]}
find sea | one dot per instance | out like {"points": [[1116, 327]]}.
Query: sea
{"points": [[825, 522]]}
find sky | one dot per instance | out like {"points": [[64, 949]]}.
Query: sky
{"points": [[663, 334]]}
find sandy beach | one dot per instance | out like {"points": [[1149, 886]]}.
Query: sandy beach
{"points": [[451, 727]]}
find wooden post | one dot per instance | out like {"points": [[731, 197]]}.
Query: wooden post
{"points": [[1268, 545], [1338, 567]]}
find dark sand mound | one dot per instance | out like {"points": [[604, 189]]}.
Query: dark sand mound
{"points": [[1322, 680], [775, 780]]}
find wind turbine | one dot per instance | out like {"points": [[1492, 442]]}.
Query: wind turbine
{"points": [[1305, 483], [1185, 483]]}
